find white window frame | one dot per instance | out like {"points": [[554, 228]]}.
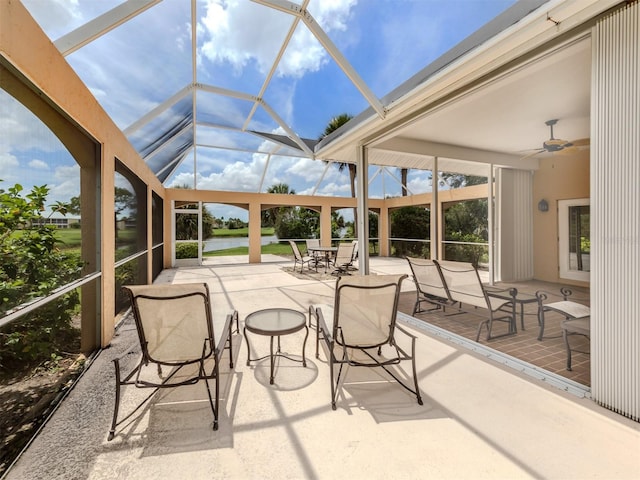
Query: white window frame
{"points": [[563, 240]]}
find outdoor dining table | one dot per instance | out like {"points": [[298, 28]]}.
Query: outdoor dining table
{"points": [[326, 253]]}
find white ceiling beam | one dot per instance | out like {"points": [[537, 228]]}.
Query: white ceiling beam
{"points": [[226, 92], [168, 103], [324, 172], [97, 27], [397, 180], [166, 143], [274, 67], [247, 150], [411, 146], [301, 12], [286, 128]]}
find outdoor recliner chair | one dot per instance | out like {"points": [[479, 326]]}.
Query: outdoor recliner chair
{"points": [[176, 332], [463, 283], [344, 258], [299, 258], [360, 329], [430, 286]]}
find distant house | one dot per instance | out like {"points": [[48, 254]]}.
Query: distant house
{"points": [[58, 221]]}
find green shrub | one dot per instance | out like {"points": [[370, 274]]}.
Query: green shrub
{"points": [[31, 267], [187, 250]]}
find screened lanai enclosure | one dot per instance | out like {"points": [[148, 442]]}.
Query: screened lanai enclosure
{"points": [[124, 120]]}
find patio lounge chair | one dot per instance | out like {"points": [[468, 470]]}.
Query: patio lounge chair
{"points": [[344, 259], [360, 329], [430, 286], [465, 287], [311, 244], [176, 330], [354, 255], [565, 307], [299, 258], [574, 326]]}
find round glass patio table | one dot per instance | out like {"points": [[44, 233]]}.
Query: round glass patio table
{"points": [[275, 322]]}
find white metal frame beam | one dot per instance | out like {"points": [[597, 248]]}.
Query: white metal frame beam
{"points": [[301, 12], [97, 27], [168, 103]]}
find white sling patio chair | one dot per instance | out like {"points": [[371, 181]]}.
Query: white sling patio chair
{"points": [[430, 286], [465, 287], [299, 258], [176, 330], [360, 329], [344, 258]]}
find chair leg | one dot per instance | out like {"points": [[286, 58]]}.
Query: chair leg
{"points": [[415, 372], [484, 322], [116, 406], [565, 335]]}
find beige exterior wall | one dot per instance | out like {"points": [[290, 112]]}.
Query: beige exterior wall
{"points": [[560, 177], [26, 48]]}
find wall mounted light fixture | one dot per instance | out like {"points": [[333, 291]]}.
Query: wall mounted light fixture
{"points": [[543, 206]]}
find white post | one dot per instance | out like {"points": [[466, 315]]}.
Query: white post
{"points": [[362, 209], [490, 193]]}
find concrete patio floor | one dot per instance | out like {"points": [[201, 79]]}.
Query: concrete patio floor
{"points": [[480, 419]]}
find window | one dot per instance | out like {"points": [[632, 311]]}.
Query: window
{"points": [[574, 239]]}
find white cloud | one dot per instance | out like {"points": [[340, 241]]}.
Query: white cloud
{"points": [[8, 168], [335, 189], [38, 164], [308, 169], [242, 32], [55, 17]]}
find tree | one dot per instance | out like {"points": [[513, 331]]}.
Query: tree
{"points": [[410, 222], [74, 206], [270, 215], [456, 180], [32, 266], [466, 222], [403, 179], [334, 124], [296, 223]]}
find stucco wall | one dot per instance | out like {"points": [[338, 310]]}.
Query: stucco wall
{"points": [[560, 177]]}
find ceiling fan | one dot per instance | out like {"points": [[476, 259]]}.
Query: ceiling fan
{"points": [[553, 145]]}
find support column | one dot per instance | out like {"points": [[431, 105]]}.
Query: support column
{"points": [[107, 247], [383, 231], [325, 226], [255, 244], [362, 202], [434, 214]]}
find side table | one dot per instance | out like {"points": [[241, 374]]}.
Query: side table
{"points": [[275, 322]]}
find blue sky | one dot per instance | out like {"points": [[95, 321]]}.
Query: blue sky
{"points": [[140, 64]]}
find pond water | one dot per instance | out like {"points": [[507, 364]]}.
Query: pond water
{"points": [[223, 243]]}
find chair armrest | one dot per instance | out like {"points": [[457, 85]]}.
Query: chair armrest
{"points": [[226, 336], [406, 332], [563, 294], [322, 330]]}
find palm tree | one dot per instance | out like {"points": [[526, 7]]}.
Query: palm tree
{"points": [[334, 124], [403, 180], [270, 215]]}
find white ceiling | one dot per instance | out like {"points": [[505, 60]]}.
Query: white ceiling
{"points": [[508, 115]]}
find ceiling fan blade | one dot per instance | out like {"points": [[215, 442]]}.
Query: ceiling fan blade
{"points": [[533, 154], [575, 146], [581, 142]]}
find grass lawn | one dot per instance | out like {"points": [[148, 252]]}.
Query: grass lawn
{"points": [[272, 248]]}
